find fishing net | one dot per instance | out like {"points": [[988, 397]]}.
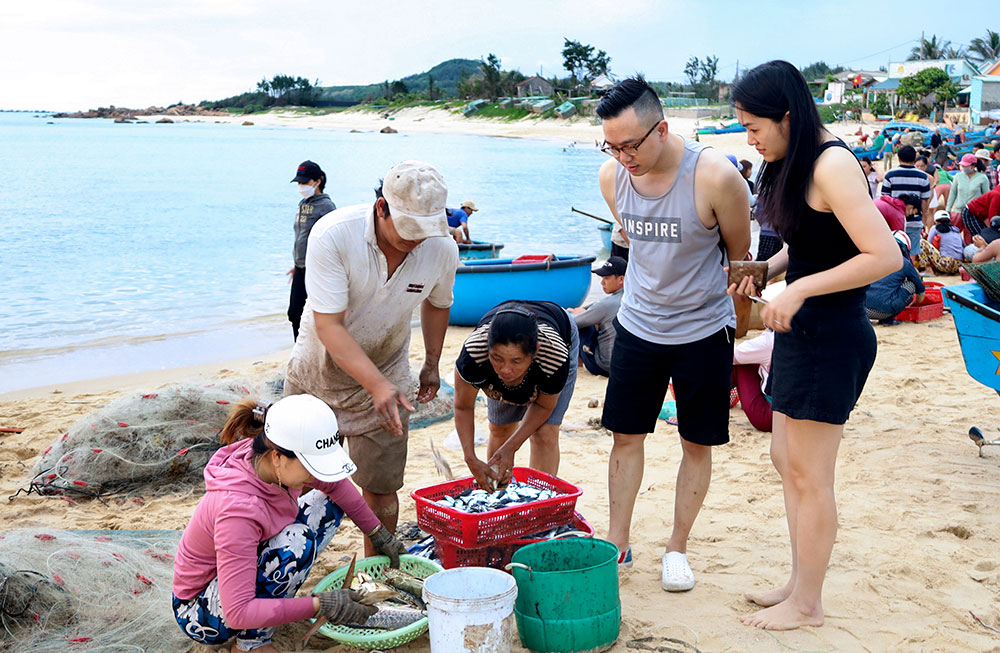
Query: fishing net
{"points": [[986, 275], [438, 409], [151, 443], [88, 591]]}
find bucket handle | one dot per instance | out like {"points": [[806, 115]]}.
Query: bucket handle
{"points": [[572, 534], [519, 565]]}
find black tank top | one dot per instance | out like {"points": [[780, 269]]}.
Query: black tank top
{"points": [[819, 242]]}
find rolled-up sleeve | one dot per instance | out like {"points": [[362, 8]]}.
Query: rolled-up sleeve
{"points": [[442, 294]]}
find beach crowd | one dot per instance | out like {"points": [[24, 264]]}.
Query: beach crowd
{"points": [[844, 245]]}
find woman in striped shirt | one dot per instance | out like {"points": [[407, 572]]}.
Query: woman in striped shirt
{"points": [[523, 356]]}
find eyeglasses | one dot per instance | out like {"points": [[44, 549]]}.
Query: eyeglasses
{"points": [[631, 149]]}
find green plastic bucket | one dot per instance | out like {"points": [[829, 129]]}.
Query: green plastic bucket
{"points": [[567, 595]]}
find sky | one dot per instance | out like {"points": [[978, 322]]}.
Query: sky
{"points": [[78, 54]]}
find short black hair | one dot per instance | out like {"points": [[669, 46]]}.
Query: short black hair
{"points": [[514, 324], [921, 159], [912, 199], [632, 92], [907, 154]]}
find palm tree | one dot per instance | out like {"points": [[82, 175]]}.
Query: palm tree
{"points": [[985, 50], [929, 49]]}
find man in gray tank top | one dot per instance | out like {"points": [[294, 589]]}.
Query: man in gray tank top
{"points": [[685, 211]]}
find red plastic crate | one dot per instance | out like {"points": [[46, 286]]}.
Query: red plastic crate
{"points": [[496, 526], [922, 312], [933, 291], [496, 556]]}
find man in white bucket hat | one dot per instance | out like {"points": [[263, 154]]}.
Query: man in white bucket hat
{"points": [[369, 267]]}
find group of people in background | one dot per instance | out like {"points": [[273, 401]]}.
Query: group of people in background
{"points": [[667, 319]]}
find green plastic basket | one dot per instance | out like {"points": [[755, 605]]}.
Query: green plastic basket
{"points": [[371, 638]]}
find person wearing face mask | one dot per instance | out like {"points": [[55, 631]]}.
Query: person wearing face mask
{"points": [[370, 266], [274, 498], [314, 205], [968, 185]]}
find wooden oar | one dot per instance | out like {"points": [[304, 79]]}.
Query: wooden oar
{"points": [[591, 215]]}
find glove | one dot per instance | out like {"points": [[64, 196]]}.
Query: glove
{"points": [[343, 607], [387, 544]]}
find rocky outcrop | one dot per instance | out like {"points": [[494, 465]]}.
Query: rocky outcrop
{"points": [[115, 113], [247, 123], [387, 130], [164, 121]]}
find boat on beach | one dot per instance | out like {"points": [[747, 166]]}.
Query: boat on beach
{"points": [[478, 249], [481, 285]]}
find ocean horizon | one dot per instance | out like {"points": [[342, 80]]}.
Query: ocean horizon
{"points": [[137, 247]]}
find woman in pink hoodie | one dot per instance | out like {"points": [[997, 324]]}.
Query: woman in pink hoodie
{"points": [[255, 535]]}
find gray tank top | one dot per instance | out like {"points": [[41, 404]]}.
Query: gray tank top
{"points": [[675, 286]]}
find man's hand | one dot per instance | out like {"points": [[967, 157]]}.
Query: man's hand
{"points": [[387, 399], [979, 241], [430, 383], [485, 477], [575, 311], [290, 273]]}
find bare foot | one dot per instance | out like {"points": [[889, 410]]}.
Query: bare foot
{"points": [[770, 597], [784, 616]]}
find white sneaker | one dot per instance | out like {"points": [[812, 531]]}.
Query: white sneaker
{"points": [[677, 575]]}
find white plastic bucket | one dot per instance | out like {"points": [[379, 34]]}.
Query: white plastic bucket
{"points": [[470, 610]]}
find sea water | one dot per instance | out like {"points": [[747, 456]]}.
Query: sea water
{"points": [[133, 247]]}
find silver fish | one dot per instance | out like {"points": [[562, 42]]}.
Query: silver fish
{"points": [[478, 500], [392, 618]]}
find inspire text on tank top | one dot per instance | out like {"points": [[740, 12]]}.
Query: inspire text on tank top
{"points": [[675, 286]]}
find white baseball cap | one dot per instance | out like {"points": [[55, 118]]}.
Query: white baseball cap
{"points": [[306, 426], [416, 194], [942, 215]]}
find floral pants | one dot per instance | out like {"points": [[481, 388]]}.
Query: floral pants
{"points": [[929, 255], [283, 563]]}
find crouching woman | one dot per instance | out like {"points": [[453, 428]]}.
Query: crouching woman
{"points": [[256, 533]]}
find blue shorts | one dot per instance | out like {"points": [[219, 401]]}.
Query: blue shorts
{"points": [[500, 412]]}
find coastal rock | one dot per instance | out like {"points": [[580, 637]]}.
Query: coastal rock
{"points": [[130, 114], [247, 123], [387, 130], [164, 121], [356, 131]]}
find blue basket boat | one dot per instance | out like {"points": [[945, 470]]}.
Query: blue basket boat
{"points": [[481, 285], [605, 230], [977, 320], [478, 249]]}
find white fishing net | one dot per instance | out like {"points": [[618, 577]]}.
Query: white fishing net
{"points": [[146, 443], [88, 591]]}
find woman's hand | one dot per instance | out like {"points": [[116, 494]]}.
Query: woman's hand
{"points": [[778, 313], [745, 287], [344, 607], [503, 459], [387, 544], [485, 477]]}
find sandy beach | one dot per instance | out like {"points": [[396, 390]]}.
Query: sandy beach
{"points": [[919, 540]]}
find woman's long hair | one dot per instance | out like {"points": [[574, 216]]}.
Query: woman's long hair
{"points": [[770, 91]]}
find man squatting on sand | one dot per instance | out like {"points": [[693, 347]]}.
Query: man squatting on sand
{"points": [[685, 210], [369, 268]]}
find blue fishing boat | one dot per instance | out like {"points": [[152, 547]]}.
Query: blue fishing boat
{"points": [[481, 285], [605, 230], [479, 249], [977, 320]]}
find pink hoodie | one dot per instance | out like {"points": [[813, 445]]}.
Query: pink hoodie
{"points": [[237, 513]]}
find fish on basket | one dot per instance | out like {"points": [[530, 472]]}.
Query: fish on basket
{"points": [[477, 500]]}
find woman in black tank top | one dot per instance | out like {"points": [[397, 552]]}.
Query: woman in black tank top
{"points": [[836, 243]]}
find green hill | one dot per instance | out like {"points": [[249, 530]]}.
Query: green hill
{"points": [[446, 77]]}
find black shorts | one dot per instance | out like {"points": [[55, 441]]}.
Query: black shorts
{"points": [[641, 372]]}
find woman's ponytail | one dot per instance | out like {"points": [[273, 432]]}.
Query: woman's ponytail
{"points": [[246, 420]]}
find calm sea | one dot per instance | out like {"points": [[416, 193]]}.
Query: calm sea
{"points": [[134, 247]]}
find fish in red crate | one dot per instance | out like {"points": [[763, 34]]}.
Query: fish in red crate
{"points": [[477, 500]]}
